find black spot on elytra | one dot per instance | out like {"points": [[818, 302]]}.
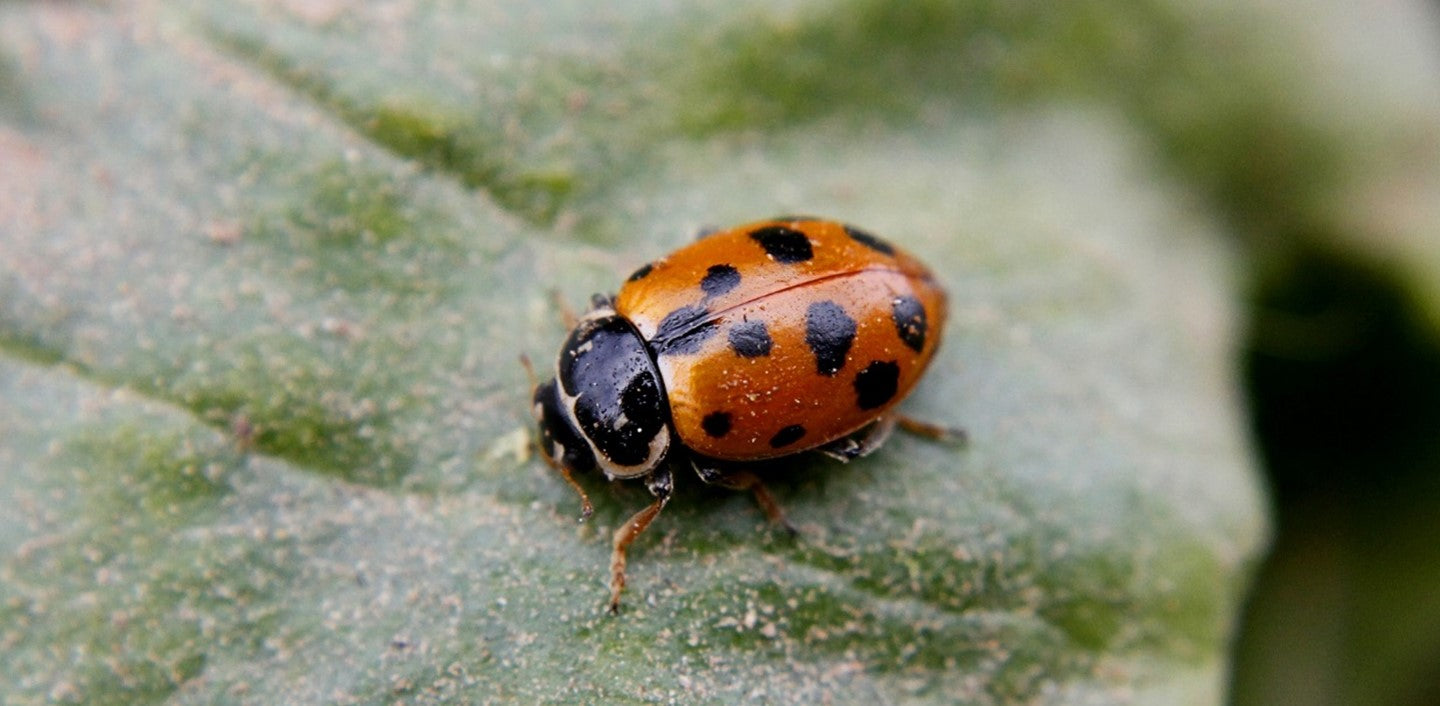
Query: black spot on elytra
{"points": [[869, 241], [829, 332], [783, 245], [750, 339], [716, 424], [877, 384], [909, 316], [720, 279], [682, 331], [787, 436], [640, 273]]}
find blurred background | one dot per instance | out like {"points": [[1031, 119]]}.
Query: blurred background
{"points": [[1344, 384], [1342, 368]]}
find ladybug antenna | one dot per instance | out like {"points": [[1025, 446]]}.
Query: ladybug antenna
{"points": [[529, 370]]}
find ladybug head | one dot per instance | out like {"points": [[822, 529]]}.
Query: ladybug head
{"points": [[605, 406]]}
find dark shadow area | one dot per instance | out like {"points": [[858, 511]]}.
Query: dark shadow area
{"points": [[1345, 395]]}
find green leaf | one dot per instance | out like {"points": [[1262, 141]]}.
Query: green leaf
{"points": [[266, 271]]}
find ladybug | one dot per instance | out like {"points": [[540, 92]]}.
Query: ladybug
{"points": [[761, 341]]}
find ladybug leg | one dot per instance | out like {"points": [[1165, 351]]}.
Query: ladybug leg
{"points": [[737, 479], [660, 484], [568, 319], [873, 437], [932, 431], [586, 509], [849, 448]]}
